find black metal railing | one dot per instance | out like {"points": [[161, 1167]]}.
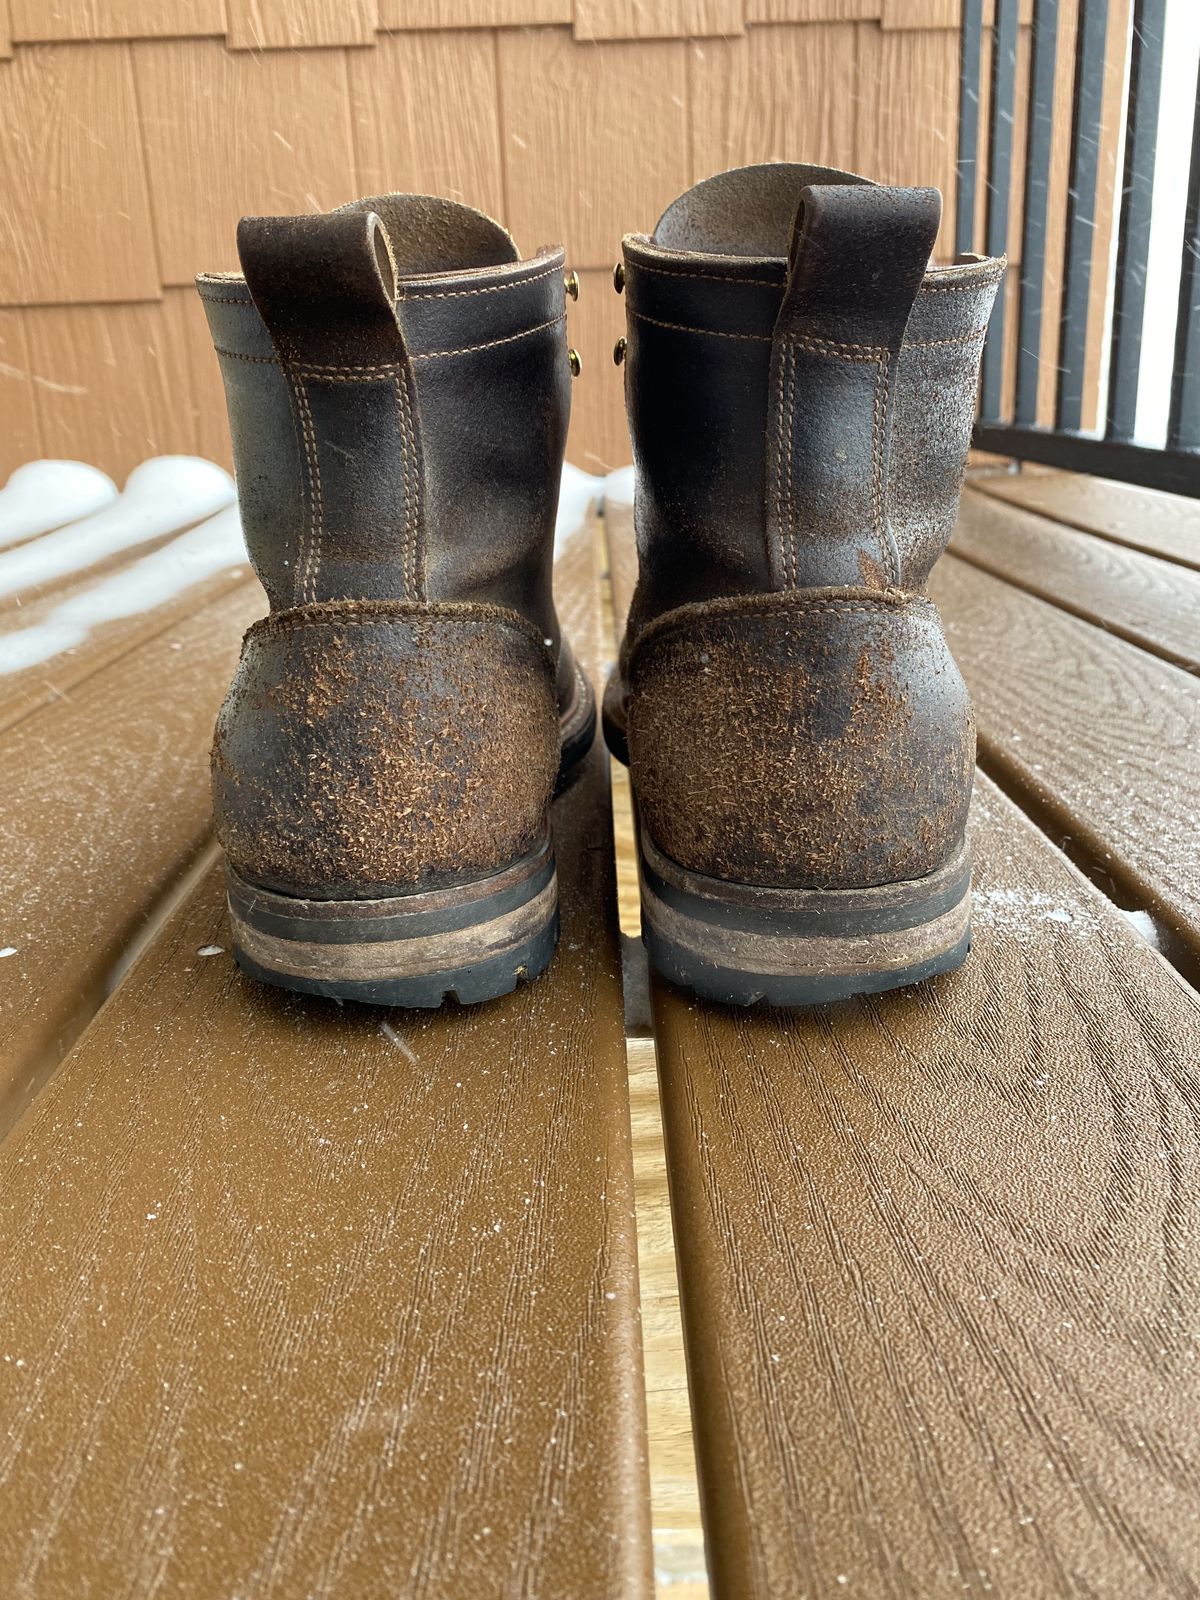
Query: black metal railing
{"points": [[1113, 450]]}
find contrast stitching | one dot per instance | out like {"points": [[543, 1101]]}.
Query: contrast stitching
{"points": [[237, 355], [710, 333], [962, 288], [312, 562], [349, 374], [225, 299], [791, 470], [785, 604], [879, 462], [404, 611], [469, 349], [408, 448], [783, 445], [834, 347], [492, 288], [709, 277]]}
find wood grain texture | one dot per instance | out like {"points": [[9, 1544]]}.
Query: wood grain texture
{"points": [[656, 19], [813, 10], [781, 94], [392, 1345], [599, 437], [1099, 738], [411, 134], [941, 13], [20, 435], [1149, 602], [288, 148], [120, 383], [940, 1263], [115, 19], [472, 13], [106, 801], [571, 172], [300, 24], [1166, 525], [5, 31], [907, 113], [72, 179]]}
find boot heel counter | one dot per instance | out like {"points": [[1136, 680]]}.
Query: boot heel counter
{"points": [[374, 749], [821, 740]]}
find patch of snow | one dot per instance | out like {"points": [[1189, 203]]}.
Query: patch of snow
{"points": [[161, 495], [1141, 922], [145, 584], [46, 494], [9, 950], [211, 950]]}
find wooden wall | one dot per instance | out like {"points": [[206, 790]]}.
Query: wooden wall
{"points": [[134, 133]]}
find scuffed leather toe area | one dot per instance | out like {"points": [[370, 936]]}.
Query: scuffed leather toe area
{"points": [[368, 750], [818, 740]]}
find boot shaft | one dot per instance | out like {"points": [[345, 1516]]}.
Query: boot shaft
{"points": [[398, 392], [800, 384]]}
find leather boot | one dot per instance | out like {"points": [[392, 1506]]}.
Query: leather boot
{"points": [[398, 387], [801, 389]]}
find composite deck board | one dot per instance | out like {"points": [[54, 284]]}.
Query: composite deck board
{"points": [[103, 643], [1150, 602], [106, 802], [939, 1250], [940, 1263], [331, 1300], [1100, 738], [1166, 525]]}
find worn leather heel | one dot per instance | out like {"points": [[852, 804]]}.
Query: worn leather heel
{"points": [[472, 941], [740, 943]]}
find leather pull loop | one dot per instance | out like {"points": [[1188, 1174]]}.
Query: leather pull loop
{"points": [[324, 285], [858, 256]]}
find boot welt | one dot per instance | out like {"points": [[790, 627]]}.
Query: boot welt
{"points": [[472, 941], [741, 943]]}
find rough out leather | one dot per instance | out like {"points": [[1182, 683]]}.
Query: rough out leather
{"points": [[398, 391], [801, 387]]}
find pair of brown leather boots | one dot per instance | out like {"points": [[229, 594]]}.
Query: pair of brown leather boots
{"points": [[800, 387]]}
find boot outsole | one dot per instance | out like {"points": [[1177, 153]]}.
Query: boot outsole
{"points": [[472, 941], [742, 944]]}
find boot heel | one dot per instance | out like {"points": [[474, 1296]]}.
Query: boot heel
{"points": [[474, 941], [741, 943]]}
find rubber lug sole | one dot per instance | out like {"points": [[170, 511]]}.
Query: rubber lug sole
{"points": [[473, 941], [742, 944]]}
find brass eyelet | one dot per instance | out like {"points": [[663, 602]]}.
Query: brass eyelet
{"points": [[619, 351], [619, 277], [575, 363], [571, 284]]}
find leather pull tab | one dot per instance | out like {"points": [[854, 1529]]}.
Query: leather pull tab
{"points": [[324, 285], [858, 255]]}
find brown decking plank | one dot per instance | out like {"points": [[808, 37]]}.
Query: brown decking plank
{"points": [[106, 802], [332, 1300], [1166, 525], [1101, 739], [26, 687], [1151, 603], [940, 1262]]}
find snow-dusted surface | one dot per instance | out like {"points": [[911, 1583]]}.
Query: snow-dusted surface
{"points": [[161, 495], [211, 547], [47, 494]]}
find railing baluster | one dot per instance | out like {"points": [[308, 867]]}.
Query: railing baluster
{"points": [[1183, 430], [968, 126], [1038, 153], [1081, 209], [999, 188], [1133, 242]]}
